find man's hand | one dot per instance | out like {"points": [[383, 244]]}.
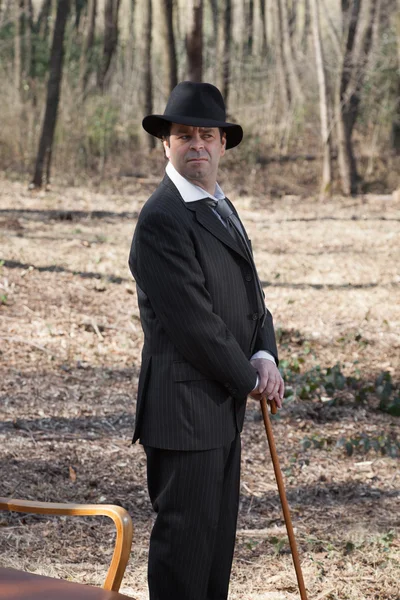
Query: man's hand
{"points": [[270, 382]]}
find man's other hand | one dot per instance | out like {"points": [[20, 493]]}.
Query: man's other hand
{"points": [[270, 382]]}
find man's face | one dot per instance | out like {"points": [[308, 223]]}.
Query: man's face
{"points": [[195, 153]]}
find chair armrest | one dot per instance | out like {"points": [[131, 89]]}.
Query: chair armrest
{"points": [[119, 515]]}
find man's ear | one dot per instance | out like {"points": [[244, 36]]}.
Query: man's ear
{"points": [[223, 141], [166, 148]]}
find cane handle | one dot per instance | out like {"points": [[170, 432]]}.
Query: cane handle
{"points": [[273, 407]]}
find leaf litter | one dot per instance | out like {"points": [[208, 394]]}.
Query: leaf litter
{"points": [[70, 343]]}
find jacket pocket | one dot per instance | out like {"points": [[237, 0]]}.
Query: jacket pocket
{"points": [[183, 371]]}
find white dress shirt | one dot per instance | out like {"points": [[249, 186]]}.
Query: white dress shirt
{"points": [[191, 193]]}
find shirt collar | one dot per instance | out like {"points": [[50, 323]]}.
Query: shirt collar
{"points": [[189, 191]]}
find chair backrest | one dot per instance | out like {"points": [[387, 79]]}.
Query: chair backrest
{"points": [[119, 515]]}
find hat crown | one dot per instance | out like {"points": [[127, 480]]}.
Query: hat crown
{"points": [[197, 100], [195, 105]]}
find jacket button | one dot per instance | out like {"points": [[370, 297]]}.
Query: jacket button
{"points": [[248, 276], [234, 391], [254, 316]]}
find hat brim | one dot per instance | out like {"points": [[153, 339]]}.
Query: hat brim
{"points": [[154, 125]]}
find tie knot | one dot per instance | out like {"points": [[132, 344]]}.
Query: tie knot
{"points": [[223, 208]]}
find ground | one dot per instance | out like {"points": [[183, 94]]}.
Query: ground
{"points": [[70, 342]]}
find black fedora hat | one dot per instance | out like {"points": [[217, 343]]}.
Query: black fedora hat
{"points": [[197, 105]]}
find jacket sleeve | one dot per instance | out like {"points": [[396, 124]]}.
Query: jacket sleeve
{"points": [[165, 266], [265, 339]]}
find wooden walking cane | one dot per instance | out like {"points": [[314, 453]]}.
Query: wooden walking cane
{"points": [[282, 494]]}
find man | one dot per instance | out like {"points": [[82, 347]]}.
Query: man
{"points": [[209, 342]]}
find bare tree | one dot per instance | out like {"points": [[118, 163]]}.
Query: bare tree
{"points": [[194, 40], [395, 134], [215, 20], [148, 73], [281, 65], [84, 67], [111, 9], [79, 7], [39, 30], [17, 48], [53, 95], [249, 26], [4, 11], [323, 101], [171, 66], [28, 20], [332, 31], [264, 47], [305, 35], [351, 81], [294, 82], [226, 39]]}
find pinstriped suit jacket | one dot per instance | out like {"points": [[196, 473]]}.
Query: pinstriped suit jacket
{"points": [[198, 307]]}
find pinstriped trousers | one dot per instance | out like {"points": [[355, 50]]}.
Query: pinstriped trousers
{"points": [[195, 495]]}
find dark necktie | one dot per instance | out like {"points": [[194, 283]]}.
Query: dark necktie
{"points": [[231, 221], [236, 230]]}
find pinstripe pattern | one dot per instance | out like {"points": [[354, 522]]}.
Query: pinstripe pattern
{"points": [[198, 306], [195, 496]]}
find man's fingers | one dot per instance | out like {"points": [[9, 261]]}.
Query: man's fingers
{"points": [[282, 389], [272, 387], [262, 385]]}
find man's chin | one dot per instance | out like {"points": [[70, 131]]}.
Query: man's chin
{"points": [[197, 170]]}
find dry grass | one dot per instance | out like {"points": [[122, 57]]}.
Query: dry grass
{"points": [[70, 344]]}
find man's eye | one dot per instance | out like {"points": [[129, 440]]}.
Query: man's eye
{"points": [[183, 137]]}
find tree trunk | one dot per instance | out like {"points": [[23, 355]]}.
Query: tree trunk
{"points": [[79, 7], [53, 94], [148, 76], [17, 50], [194, 40], [111, 10], [249, 20], [349, 93], [4, 12], [332, 31], [87, 50], [323, 101], [171, 67], [38, 27], [295, 88], [305, 36], [130, 46], [347, 162], [395, 137], [264, 48], [215, 20], [292, 20], [225, 58], [286, 92], [28, 22]]}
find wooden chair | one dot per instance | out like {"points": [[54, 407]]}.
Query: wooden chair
{"points": [[119, 515]]}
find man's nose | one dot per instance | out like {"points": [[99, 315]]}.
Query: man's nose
{"points": [[196, 142]]}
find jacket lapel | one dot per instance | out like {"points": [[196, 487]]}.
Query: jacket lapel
{"points": [[208, 219], [211, 222]]}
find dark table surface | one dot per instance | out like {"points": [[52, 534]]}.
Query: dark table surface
{"points": [[19, 585]]}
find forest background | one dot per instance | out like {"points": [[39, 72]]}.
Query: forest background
{"points": [[315, 83], [316, 86]]}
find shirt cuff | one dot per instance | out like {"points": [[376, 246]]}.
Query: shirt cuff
{"points": [[264, 354], [256, 386]]}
